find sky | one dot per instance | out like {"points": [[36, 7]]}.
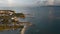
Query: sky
{"points": [[20, 3], [24, 3]]}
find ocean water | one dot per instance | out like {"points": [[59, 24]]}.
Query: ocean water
{"points": [[42, 24]]}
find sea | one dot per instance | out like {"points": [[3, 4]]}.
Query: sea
{"points": [[43, 19]]}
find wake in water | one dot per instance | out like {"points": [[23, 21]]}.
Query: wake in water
{"points": [[26, 25]]}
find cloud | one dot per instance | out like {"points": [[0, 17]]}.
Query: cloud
{"points": [[18, 2], [21, 3], [57, 2]]}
